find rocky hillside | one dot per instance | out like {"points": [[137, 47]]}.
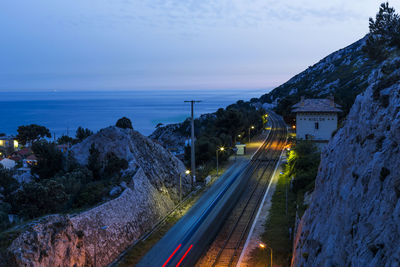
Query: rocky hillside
{"points": [[342, 73], [99, 235], [354, 216]]}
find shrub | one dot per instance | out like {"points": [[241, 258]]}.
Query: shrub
{"points": [[94, 163], [384, 83], [91, 194], [124, 123], [82, 133], [385, 101], [370, 136], [114, 164], [50, 159], [379, 143], [65, 139], [384, 173], [39, 198]]}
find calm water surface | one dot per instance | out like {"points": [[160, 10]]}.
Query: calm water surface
{"points": [[63, 112]]}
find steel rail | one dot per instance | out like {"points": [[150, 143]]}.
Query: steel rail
{"points": [[257, 191]]}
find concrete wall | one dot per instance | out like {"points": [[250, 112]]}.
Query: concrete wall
{"points": [[305, 124]]}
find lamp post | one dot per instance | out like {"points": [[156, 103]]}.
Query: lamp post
{"points": [[187, 172], [219, 149], [251, 128], [263, 245]]}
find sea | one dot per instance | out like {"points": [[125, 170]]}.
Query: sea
{"points": [[62, 112]]}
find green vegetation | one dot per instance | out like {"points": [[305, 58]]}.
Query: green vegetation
{"points": [[80, 135], [298, 178], [7, 186], [59, 183], [384, 33], [345, 75], [50, 159], [31, 133], [222, 128], [383, 43], [124, 123]]}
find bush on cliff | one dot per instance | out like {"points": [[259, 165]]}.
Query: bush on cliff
{"points": [[39, 198], [114, 164], [124, 123], [82, 133], [384, 32]]}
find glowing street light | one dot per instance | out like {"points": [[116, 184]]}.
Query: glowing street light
{"points": [[251, 128], [187, 172], [263, 246], [222, 149]]}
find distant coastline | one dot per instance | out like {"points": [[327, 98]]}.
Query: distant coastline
{"points": [[62, 112]]}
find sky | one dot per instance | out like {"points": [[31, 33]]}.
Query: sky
{"points": [[170, 44]]}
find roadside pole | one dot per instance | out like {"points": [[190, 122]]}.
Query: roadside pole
{"points": [[192, 143]]}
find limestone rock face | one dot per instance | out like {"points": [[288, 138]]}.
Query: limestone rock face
{"points": [[169, 136], [354, 216], [97, 236]]}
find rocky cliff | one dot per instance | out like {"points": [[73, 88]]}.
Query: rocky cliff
{"points": [[97, 236], [343, 73], [354, 216]]}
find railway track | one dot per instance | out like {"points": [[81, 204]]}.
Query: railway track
{"points": [[227, 246]]}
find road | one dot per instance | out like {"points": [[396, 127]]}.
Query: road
{"points": [[186, 242]]}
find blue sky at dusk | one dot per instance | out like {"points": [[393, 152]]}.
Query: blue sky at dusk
{"points": [[171, 44]]}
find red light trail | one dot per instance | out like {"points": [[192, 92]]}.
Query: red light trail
{"points": [[187, 251], [170, 257]]}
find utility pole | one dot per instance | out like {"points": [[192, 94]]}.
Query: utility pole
{"points": [[192, 148]]}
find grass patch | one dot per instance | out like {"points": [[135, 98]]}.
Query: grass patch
{"points": [[298, 178], [277, 234]]}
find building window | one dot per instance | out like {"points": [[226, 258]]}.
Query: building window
{"points": [[316, 125]]}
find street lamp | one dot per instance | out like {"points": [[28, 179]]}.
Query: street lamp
{"points": [[251, 128], [222, 149], [262, 246], [187, 172]]}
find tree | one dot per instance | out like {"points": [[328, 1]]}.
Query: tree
{"points": [[114, 164], [65, 139], [230, 122], [124, 123], [94, 163], [384, 32], [82, 133], [7, 183], [50, 159], [39, 198], [32, 133]]}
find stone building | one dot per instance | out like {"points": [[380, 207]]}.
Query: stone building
{"points": [[316, 119]]}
